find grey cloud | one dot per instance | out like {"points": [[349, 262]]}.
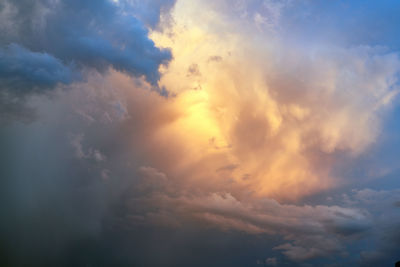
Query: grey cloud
{"points": [[309, 248], [271, 262], [127, 206], [44, 43], [97, 34], [14, 108], [385, 234], [99, 198], [24, 70], [23, 73]]}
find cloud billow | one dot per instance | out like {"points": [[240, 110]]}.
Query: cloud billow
{"points": [[24, 70], [44, 43], [251, 163]]}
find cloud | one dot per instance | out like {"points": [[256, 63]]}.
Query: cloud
{"points": [[24, 73], [271, 262], [150, 178], [302, 252], [113, 173], [22, 69], [150, 11], [45, 43], [281, 112]]}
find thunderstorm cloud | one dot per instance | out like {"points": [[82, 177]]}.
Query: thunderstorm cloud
{"points": [[199, 133]]}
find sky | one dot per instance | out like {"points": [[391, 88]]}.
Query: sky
{"points": [[199, 133]]}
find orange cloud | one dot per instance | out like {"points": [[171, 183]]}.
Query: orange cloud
{"points": [[253, 116]]}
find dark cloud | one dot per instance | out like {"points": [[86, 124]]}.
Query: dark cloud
{"points": [[62, 211], [98, 198], [14, 108], [44, 43], [92, 200], [97, 179], [24, 70]]}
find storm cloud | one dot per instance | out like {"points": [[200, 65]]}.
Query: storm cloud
{"points": [[270, 149], [45, 43]]}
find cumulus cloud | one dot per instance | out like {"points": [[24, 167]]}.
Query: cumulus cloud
{"points": [[281, 113], [91, 34], [133, 184], [45, 43], [23, 73], [22, 69], [115, 173]]}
